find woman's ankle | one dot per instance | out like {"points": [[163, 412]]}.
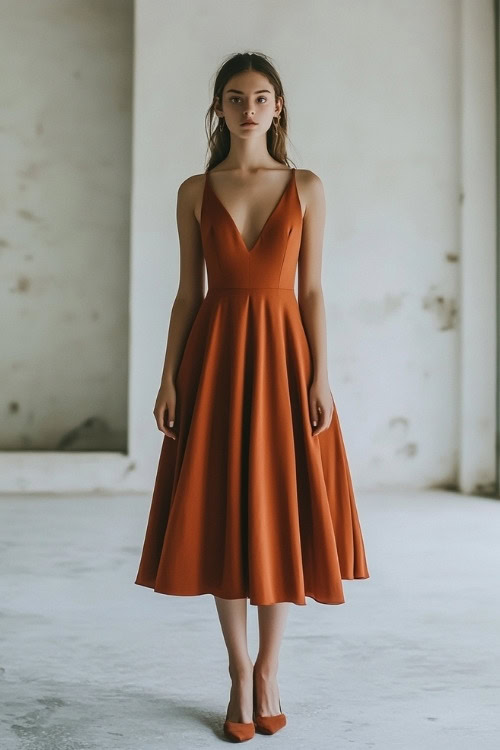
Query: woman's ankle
{"points": [[266, 669], [240, 670]]}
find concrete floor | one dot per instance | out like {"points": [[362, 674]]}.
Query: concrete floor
{"points": [[91, 660]]}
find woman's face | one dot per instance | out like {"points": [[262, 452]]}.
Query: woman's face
{"points": [[249, 96]]}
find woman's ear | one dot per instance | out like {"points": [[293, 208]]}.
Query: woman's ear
{"points": [[217, 109]]}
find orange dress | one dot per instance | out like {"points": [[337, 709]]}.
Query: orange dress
{"points": [[247, 502]]}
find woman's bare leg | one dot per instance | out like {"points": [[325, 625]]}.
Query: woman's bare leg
{"points": [[233, 619], [272, 620]]}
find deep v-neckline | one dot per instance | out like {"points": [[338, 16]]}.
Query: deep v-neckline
{"points": [[233, 223]]}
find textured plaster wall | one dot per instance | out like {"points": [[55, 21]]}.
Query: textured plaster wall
{"points": [[373, 93], [64, 237], [391, 103]]}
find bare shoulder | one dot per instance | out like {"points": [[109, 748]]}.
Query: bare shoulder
{"points": [[309, 181], [189, 194], [310, 188], [191, 185]]}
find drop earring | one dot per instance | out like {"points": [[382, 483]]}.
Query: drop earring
{"points": [[221, 124]]}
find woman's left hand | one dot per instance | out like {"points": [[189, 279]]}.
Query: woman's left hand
{"points": [[321, 406]]}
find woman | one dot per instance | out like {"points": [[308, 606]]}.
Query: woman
{"points": [[253, 497]]}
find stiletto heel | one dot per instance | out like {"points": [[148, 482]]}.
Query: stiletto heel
{"points": [[238, 731], [268, 724]]}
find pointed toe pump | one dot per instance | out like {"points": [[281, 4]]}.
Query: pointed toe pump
{"points": [[238, 731], [270, 724]]}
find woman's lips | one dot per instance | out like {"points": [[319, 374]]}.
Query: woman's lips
{"points": [[247, 124]]}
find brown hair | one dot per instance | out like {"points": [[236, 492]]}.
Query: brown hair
{"points": [[219, 140]]}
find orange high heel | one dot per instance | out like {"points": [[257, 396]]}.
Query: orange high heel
{"points": [[239, 731], [268, 724]]}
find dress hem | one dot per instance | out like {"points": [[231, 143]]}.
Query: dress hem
{"points": [[253, 601]]}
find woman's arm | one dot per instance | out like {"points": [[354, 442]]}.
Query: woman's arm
{"points": [[190, 294], [310, 298]]}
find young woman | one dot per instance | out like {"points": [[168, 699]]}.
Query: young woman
{"points": [[253, 498]]}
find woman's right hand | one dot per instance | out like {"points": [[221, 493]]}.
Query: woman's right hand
{"points": [[164, 410]]}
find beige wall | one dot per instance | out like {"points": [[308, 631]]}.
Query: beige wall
{"points": [[374, 94], [65, 204], [376, 99]]}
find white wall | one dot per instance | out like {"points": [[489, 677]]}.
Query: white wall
{"points": [[477, 364], [65, 205], [374, 98], [374, 94]]}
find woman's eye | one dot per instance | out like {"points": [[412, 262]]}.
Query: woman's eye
{"points": [[239, 98]]}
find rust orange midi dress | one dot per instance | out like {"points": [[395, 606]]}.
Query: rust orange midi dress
{"points": [[247, 503]]}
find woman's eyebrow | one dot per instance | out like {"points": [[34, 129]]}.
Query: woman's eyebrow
{"points": [[260, 91]]}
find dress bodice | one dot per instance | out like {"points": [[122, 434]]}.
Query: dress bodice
{"points": [[272, 261]]}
